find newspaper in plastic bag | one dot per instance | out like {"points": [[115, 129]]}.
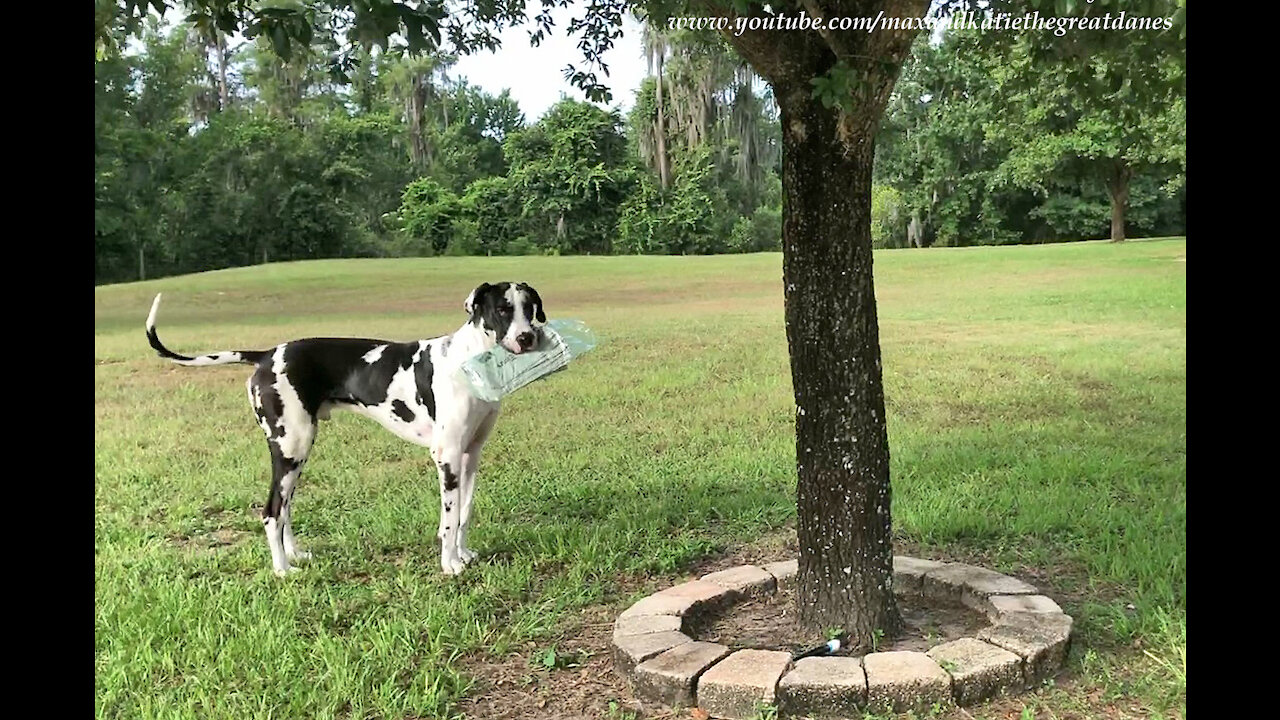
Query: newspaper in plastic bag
{"points": [[498, 372]]}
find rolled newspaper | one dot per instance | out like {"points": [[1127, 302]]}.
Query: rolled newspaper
{"points": [[498, 372]]}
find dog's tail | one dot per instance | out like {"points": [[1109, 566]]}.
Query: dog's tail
{"points": [[219, 358]]}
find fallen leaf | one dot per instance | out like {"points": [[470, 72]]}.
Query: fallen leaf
{"points": [[700, 714]]}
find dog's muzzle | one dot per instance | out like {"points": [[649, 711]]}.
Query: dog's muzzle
{"points": [[522, 343]]}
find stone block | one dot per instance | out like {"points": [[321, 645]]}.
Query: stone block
{"points": [[671, 677], [631, 650], [909, 572], [824, 687], [978, 670], [747, 580], [735, 687], [905, 681]]}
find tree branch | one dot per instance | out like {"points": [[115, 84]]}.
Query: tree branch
{"points": [[833, 41], [780, 63]]}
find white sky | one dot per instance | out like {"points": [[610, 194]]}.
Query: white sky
{"points": [[535, 76]]}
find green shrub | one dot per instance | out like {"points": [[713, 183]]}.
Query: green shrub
{"points": [[888, 221], [427, 213]]}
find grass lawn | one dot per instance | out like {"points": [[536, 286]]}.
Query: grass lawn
{"points": [[1037, 422]]}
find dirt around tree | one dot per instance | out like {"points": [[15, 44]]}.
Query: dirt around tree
{"points": [[770, 623]]}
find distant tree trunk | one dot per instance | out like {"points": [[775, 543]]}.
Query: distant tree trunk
{"points": [[223, 94], [915, 231], [664, 172], [1118, 184], [415, 109], [142, 263]]}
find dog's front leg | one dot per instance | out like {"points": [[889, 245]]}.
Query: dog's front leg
{"points": [[470, 463], [449, 465], [467, 488]]}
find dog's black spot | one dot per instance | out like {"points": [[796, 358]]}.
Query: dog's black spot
{"points": [[487, 308], [450, 479], [402, 410], [533, 303], [272, 400], [448, 507], [269, 407], [317, 369], [422, 378], [280, 466], [368, 382]]}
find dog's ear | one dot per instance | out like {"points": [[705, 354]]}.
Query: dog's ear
{"points": [[536, 299], [470, 303]]}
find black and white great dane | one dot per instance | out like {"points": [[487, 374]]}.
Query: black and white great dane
{"points": [[411, 388]]}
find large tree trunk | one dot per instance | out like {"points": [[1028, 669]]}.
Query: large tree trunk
{"points": [[842, 448], [1118, 184]]}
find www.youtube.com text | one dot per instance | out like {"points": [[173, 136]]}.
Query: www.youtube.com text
{"points": [[1028, 22]]}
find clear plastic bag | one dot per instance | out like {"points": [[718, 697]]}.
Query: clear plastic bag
{"points": [[498, 372]]}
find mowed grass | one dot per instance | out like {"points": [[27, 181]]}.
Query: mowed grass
{"points": [[1037, 413]]}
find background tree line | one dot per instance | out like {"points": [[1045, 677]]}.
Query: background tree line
{"points": [[211, 154]]}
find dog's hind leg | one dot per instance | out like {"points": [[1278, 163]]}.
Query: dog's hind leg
{"points": [[290, 435], [287, 485], [284, 472]]}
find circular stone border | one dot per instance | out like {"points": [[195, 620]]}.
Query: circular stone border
{"points": [[1026, 642]]}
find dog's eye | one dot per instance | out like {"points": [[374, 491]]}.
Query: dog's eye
{"points": [[505, 309]]}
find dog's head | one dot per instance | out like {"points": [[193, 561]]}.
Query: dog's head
{"points": [[510, 313]]}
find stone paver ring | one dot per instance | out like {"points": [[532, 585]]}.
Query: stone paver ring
{"points": [[1025, 643]]}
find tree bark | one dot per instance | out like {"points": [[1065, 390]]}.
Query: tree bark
{"points": [[415, 106], [915, 231], [664, 174], [1118, 184], [224, 98], [842, 447]]}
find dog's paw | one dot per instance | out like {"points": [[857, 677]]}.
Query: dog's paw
{"points": [[286, 571], [300, 556], [452, 566], [467, 555]]}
